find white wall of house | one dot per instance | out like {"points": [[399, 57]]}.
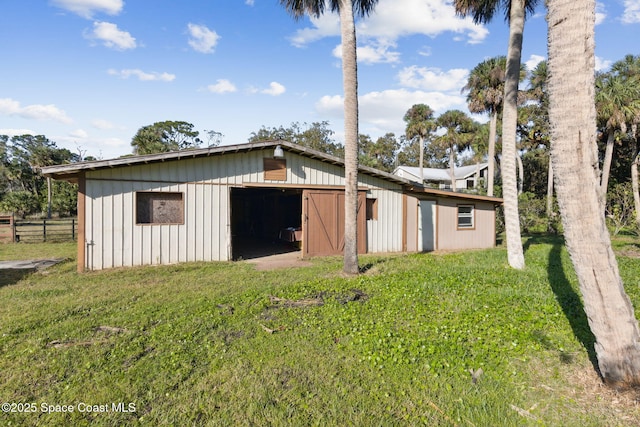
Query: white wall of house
{"points": [[114, 239]]}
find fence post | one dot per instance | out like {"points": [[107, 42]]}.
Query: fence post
{"points": [[44, 230], [73, 229]]}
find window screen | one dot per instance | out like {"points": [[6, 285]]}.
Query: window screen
{"points": [[159, 208], [465, 216]]}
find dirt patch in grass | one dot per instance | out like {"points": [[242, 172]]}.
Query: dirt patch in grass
{"points": [[590, 393], [274, 262], [577, 389]]}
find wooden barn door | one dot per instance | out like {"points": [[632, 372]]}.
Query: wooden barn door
{"points": [[323, 222]]}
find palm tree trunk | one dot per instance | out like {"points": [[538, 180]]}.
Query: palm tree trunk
{"points": [[606, 168], [491, 155], [452, 168], [515, 253], [520, 173], [634, 180], [49, 197], [350, 84], [574, 154], [550, 190], [421, 160]]}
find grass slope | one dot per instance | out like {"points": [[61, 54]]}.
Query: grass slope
{"points": [[426, 339]]}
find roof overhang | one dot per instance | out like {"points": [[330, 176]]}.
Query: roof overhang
{"points": [[71, 171]]}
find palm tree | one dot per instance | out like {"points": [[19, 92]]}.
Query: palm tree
{"points": [[459, 130], [420, 124], [617, 104], [540, 116], [482, 11], [629, 69], [486, 90], [574, 154], [346, 9]]}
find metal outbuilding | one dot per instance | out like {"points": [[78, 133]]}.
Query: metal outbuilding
{"points": [[228, 202]]}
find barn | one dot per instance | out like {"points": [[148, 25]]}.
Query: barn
{"points": [[239, 201]]}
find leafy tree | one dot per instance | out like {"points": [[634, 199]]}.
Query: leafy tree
{"points": [[515, 13], [20, 203], [420, 124], [21, 158], [459, 130], [347, 9], [65, 198], [30, 153], [380, 154], [163, 137], [317, 136], [572, 114]]}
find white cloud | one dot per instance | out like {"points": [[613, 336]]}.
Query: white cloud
{"points": [[10, 107], [602, 64], [533, 61], [275, 89], [202, 39], [142, 75], [375, 52], [327, 25], [79, 134], [383, 111], [222, 86], [433, 78], [393, 19], [87, 8], [601, 13], [102, 124], [111, 36], [249, 2], [16, 132], [631, 14]]}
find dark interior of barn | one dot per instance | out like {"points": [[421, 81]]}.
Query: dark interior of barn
{"points": [[265, 221]]}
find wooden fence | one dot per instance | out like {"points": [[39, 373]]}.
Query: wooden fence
{"points": [[7, 229], [37, 230]]}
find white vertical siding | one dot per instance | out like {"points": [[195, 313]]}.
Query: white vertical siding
{"points": [[205, 183]]}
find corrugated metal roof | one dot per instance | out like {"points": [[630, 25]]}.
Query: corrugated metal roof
{"points": [[435, 174], [70, 171]]}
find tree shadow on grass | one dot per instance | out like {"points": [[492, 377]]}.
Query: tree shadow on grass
{"points": [[10, 276], [570, 302]]}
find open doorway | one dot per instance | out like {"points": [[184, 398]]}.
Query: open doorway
{"points": [[265, 221]]}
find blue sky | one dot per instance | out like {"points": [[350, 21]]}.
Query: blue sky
{"points": [[89, 73]]}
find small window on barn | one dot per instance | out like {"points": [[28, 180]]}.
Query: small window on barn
{"points": [[159, 208], [275, 169], [466, 217], [372, 209]]}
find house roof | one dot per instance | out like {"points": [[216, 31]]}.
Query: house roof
{"points": [[71, 171], [434, 174]]}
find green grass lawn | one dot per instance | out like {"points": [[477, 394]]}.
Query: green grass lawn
{"points": [[224, 344]]}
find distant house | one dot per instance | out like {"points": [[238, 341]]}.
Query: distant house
{"points": [[224, 203], [467, 177]]}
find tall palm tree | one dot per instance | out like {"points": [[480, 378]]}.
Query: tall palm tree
{"points": [[459, 130], [486, 90], [346, 9], [629, 69], [482, 11], [420, 123], [574, 155], [617, 104], [540, 116]]}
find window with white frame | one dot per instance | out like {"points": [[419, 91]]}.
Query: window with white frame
{"points": [[466, 216]]}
